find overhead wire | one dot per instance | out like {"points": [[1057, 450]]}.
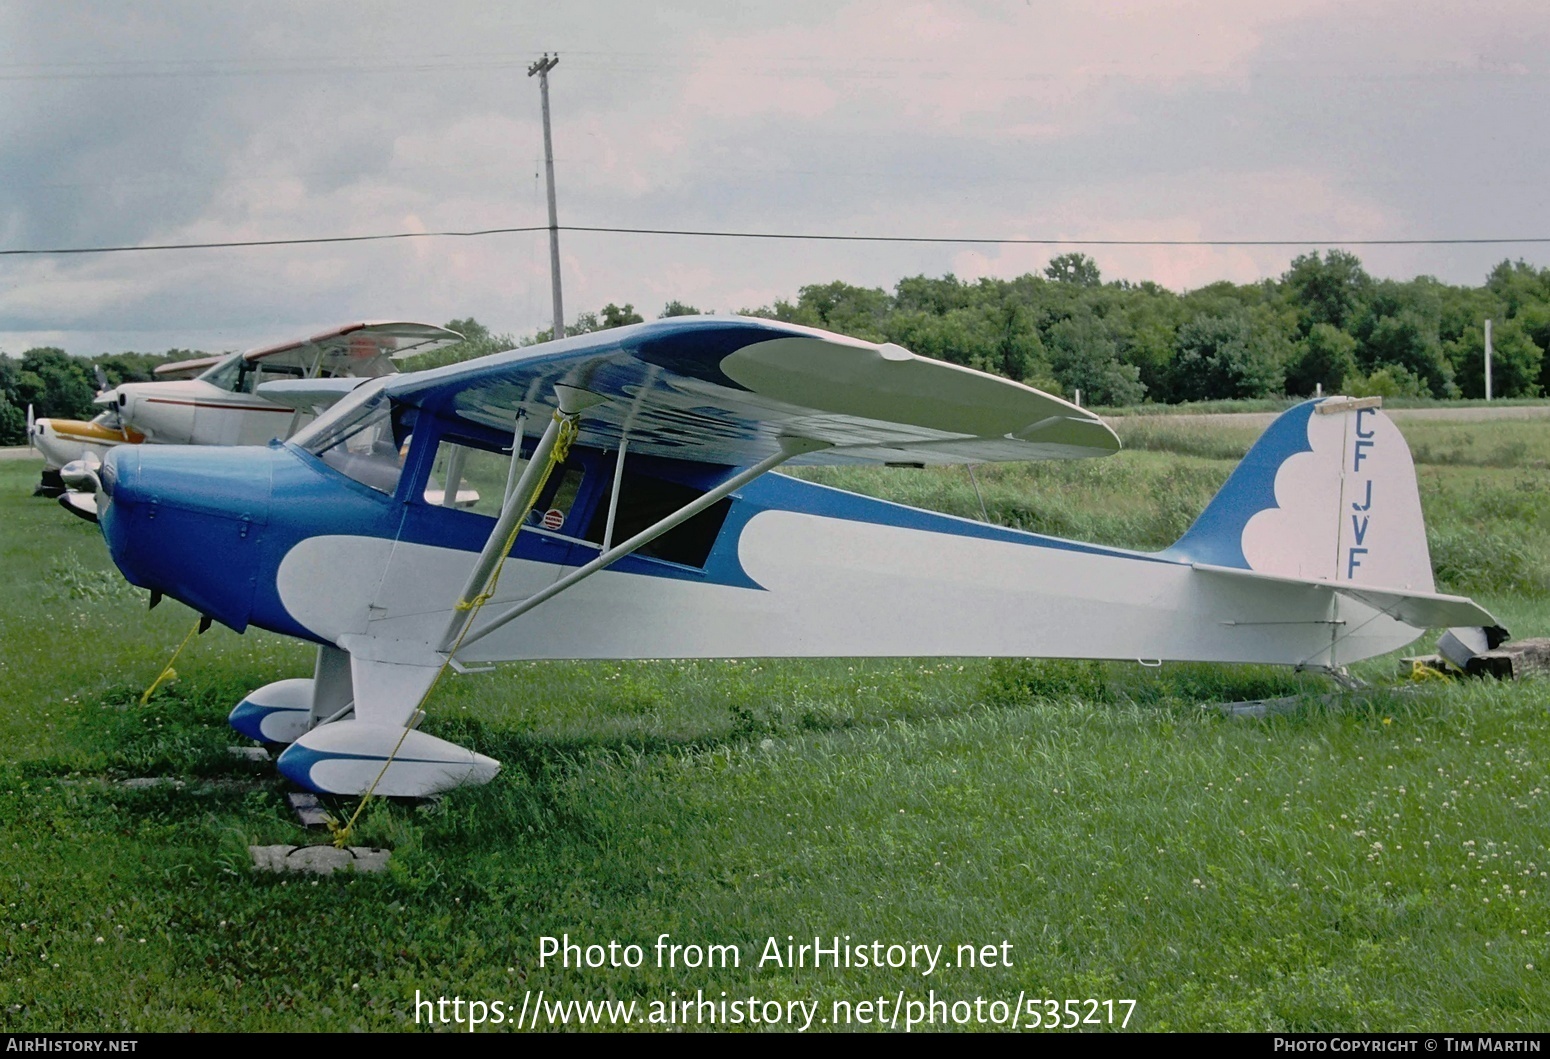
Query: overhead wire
{"points": [[708, 233]]}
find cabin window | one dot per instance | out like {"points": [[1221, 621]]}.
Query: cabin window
{"points": [[469, 478], [553, 509], [365, 439], [225, 375], [645, 501], [257, 371]]}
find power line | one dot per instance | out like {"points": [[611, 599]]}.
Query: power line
{"points": [[634, 64], [795, 236], [273, 242]]}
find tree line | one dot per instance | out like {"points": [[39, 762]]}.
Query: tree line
{"points": [[1324, 323]]}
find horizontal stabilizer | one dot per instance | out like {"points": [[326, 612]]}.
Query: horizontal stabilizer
{"points": [[1421, 610]]}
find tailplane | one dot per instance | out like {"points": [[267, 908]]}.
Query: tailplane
{"points": [[1328, 494]]}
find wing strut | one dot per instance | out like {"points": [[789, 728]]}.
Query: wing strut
{"points": [[624, 443], [613, 494], [518, 502], [516, 456], [789, 447]]}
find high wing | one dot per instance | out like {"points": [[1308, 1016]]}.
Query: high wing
{"points": [[308, 394], [186, 369], [358, 349], [727, 390]]}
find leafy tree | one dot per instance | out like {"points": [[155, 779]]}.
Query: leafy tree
{"points": [[1084, 356], [1328, 290], [841, 307], [13, 423], [1517, 283], [585, 324], [1515, 361], [1535, 319], [1224, 356], [1076, 269], [939, 296], [1221, 298], [1324, 322], [478, 341], [1326, 357], [677, 308], [13, 420], [1151, 319], [58, 385], [1391, 380], [1408, 340], [990, 337], [620, 316], [611, 315], [766, 312], [139, 367], [1459, 307], [959, 337], [471, 330]]}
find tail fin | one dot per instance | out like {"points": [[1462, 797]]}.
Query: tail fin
{"points": [[1328, 493]]}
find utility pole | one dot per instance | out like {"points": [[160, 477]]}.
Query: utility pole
{"points": [[542, 68], [1487, 358]]}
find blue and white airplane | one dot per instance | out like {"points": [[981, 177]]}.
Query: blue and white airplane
{"points": [[381, 532]]}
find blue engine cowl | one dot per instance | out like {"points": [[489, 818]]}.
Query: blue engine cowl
{"points": [[205, 547]]}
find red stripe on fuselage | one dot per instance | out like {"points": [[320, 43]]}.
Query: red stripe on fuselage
{"points": [[228, 407]]}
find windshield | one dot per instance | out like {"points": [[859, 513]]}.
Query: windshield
{"points": [[342, 417], [225, 374], [364, 437]]}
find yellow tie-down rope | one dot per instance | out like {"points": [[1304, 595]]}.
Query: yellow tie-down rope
{"points": [[1420, 671], [569, 428], [168, 673]]}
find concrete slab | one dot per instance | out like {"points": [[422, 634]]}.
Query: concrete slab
{"points": [[307, 808], [1260, 707], [318, 860], [248, 753]]}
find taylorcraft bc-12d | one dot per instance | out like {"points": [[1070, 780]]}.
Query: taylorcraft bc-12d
{"points": [[607, 496], [219, 404]]}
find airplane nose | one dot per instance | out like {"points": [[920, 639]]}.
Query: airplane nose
{"points": [[189, 521], [109, 472], [120, 472]]}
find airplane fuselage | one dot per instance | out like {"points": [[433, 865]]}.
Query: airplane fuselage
{"points": [[63, 441], [273, 537], [196, 412]]}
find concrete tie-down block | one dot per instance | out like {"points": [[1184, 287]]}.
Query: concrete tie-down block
{"points": [[318, 860]]}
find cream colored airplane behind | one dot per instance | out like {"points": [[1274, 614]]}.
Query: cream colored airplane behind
{"points": [[220, 406]]}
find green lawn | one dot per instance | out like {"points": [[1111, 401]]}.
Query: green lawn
{"points": [[1373, 863]]}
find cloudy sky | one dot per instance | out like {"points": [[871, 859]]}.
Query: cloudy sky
{"points": [[161, 122]]}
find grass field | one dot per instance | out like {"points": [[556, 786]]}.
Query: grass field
{"points": [[1378, 862]]}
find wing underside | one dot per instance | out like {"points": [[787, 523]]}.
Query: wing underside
{"points": [[726, 390], [359, 349]]}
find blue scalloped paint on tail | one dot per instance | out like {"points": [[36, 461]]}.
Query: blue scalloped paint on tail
{"points": [[1216, 537]]}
